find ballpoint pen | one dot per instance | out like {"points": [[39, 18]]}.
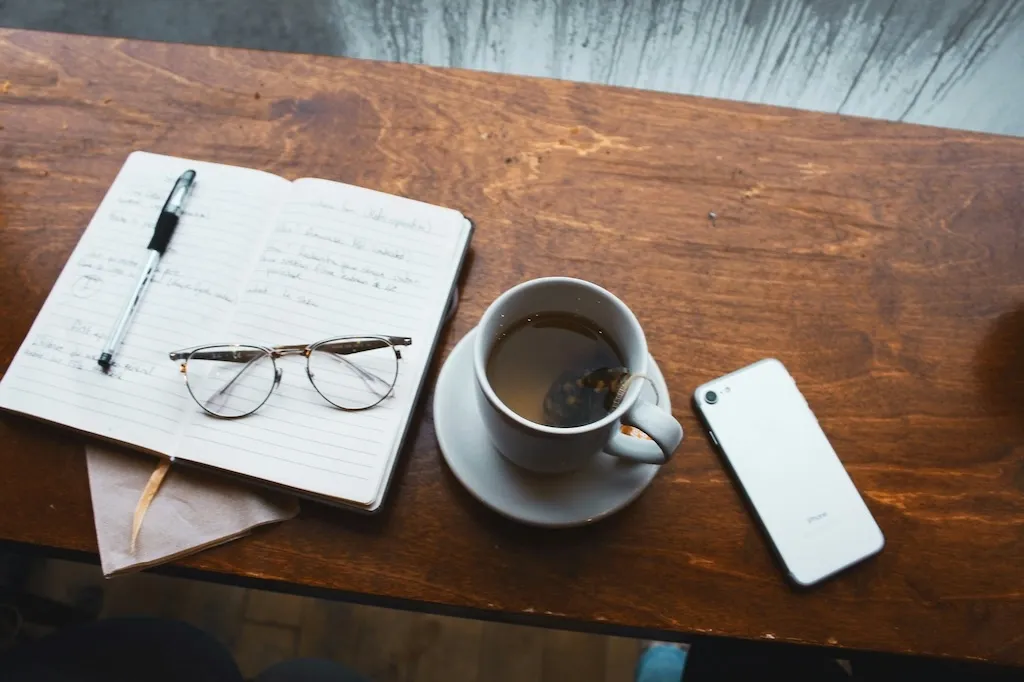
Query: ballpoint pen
{"points": [[165, 224]]}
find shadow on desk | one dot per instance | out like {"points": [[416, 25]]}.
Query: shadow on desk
{"points": [[999, 367]]}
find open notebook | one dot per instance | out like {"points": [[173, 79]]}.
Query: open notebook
{"points": [[255, 259]]}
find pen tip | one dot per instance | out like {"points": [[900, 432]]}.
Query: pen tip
{"points": [[104, 361]]}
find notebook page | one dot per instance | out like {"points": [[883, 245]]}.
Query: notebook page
{"points": [[341, 260], [142, 401]]}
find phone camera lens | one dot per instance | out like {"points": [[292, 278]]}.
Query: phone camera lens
{"points": [[711, 397]]}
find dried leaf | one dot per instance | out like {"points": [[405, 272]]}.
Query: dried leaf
{"points": [[148, 493]]}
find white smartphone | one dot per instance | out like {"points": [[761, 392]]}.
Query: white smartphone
{"points": [[791, 476]]}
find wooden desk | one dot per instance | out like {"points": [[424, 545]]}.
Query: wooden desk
{"points": [[880, 262]]}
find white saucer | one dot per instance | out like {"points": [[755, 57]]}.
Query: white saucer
{"points": [[600, 489]]}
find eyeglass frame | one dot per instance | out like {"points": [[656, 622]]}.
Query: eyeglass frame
{"points": [[274, 352]]}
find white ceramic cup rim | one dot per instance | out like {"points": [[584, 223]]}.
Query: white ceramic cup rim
{"points": [[480, 359]]}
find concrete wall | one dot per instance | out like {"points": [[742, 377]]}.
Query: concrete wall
{"points": [[957, 63]]}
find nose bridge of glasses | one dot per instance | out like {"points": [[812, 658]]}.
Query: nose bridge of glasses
{"points": [[281, 351]]}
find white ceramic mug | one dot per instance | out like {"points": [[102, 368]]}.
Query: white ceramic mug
{"points": [[551, 449]]}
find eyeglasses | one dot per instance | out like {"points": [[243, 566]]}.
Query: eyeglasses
{"points": [[350, 372]]}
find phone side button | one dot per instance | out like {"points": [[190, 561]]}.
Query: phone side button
{"points": [[713, 439]]}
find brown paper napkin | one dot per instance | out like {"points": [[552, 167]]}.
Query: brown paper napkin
{"points": [[193, 510]]}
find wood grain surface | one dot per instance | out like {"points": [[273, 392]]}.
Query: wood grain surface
{"points": [[878, 261]]}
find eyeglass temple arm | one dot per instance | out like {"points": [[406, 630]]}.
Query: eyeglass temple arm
{"points": [[366, 374], [238, 375]]}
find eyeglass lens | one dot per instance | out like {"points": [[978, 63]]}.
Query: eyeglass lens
{"points": [[230, 381], [353, 380]]}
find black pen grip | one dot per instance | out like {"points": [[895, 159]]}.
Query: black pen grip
{"points": [[165, 225]]}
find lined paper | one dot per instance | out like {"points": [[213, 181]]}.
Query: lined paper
{"points": [[142, 401], [340, 260]]}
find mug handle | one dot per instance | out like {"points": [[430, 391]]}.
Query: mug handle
{"points": [[666, 434]]}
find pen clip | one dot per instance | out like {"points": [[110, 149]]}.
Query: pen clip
{"points": [[179, 194]]}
